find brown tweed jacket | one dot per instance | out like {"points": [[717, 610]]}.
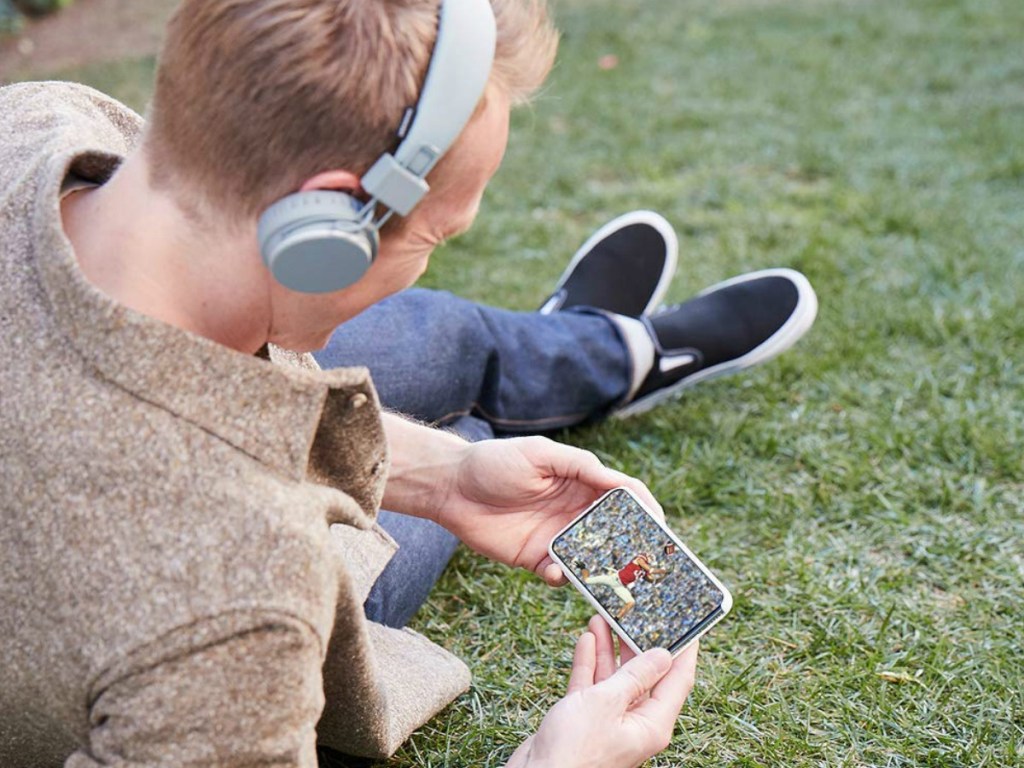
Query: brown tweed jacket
{"points": [[172, 589]]}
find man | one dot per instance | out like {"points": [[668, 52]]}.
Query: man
{"points": [[171, 591]]}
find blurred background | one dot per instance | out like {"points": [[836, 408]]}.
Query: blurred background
{"points": [[863, 496]]}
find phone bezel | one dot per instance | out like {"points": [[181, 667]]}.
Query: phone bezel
{"points": [[687, 640]]}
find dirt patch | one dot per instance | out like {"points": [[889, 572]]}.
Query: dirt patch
{"points": [[87, 32]]}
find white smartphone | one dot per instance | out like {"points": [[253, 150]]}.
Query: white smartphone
{"points": [[647, 584]]}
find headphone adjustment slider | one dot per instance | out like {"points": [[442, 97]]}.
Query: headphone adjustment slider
{"points": [[394, 185]]}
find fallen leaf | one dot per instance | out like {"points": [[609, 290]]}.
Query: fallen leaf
{"points": [[895, 676]]}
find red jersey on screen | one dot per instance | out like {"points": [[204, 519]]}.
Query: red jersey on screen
{"points": [[628, 574]]}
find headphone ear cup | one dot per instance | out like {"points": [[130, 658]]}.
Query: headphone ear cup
{"points": [[317, 242]]}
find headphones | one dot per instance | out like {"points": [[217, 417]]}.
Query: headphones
{"points": [[323, 241]]}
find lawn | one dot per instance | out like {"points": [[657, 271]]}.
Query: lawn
{"points": [[863, 495]]}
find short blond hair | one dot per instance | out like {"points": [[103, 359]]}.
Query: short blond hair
{"points": [[252, 97]]}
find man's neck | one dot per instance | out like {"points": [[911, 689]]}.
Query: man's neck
{"points": [[140, 249]]}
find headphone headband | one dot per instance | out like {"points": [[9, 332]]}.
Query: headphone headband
{"points": [[460, 67]]}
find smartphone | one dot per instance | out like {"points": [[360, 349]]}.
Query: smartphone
{"points": [[647, 584]]}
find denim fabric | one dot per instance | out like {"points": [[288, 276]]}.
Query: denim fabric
{"points": [[424, 551], [480, 371], [436, 357]]}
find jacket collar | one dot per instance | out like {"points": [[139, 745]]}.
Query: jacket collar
{"points": [[270, 412]]}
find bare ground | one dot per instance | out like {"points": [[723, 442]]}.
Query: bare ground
{"points": [[88, 32]]}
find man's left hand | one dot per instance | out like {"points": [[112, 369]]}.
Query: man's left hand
{"points": [[507, 499]]}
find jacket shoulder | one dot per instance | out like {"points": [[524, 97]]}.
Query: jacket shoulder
{"points": [[43, 121]]}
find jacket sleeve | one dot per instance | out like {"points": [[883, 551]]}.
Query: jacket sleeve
{"points": [[250, 699]]}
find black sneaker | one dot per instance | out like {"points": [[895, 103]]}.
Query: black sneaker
{"points": [[625, 267], [726, 328]]}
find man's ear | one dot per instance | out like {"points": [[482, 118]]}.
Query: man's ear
{"points": [[338, 180]]}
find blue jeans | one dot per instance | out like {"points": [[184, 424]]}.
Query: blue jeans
{"points": [[483, 372]]}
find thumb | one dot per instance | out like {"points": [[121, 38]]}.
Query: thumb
{"points": [[637, 676]]}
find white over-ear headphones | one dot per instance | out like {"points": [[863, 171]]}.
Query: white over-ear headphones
{"points": [[323, 241]]}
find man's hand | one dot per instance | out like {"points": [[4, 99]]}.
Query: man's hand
{"points": [[504, 498], [611, 718], [508, 498]]}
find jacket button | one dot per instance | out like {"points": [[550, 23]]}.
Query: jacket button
{"points": [[358, 400]]}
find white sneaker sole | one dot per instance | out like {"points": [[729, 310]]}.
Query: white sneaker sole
{"points": [[652, 219], [786, 336]]}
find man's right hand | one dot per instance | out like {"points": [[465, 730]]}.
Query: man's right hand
{"points": [[611, 717]]}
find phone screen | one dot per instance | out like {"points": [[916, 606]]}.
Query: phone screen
{"points": [[642, 576]]}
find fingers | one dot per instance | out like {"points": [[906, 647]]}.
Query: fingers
{"points": [[583, 664], [605, 648], [668, 696], [584, 466], [550, 571], [639, 676], [577, 464]]}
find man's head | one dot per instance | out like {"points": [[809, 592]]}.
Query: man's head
{"points": [[256, 99], [253, 97]]}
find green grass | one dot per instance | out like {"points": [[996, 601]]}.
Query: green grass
{"points": [[863, 495]]}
